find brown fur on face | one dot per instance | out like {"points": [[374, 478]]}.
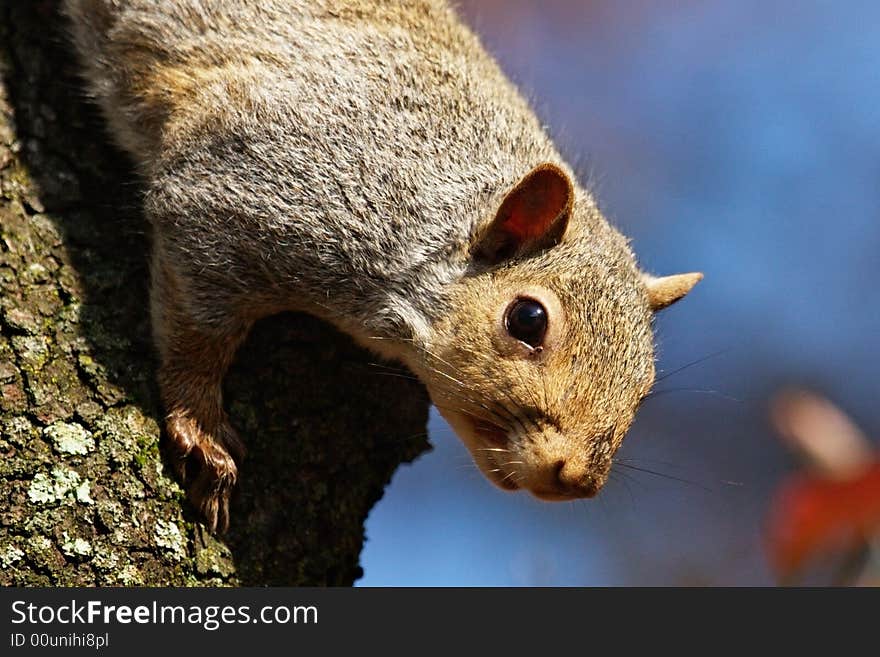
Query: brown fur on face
{"points": [[548, 421]]}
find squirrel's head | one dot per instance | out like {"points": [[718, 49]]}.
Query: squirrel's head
{"points": [[546, 346]]}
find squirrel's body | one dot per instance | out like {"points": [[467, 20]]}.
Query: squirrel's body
{"points": [[279, 114], [349, 159]]}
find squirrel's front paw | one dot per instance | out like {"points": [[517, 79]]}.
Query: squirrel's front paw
{"points": [[206, 462]]}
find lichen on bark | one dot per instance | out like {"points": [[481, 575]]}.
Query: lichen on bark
{"points": [[86, 497]]}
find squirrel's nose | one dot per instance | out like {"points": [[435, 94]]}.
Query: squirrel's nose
{"points": [[575, 477]]}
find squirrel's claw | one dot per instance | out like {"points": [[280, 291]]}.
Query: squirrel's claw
{"points": [[207, 466]]}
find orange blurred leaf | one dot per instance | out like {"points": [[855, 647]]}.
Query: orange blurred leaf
{"points": [[811, 515], [817, 429]]}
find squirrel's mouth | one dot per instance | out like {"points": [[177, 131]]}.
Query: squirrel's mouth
{"points": [[508, 466], [490, 432], [489, 444], [496, 438], [504, 480]]}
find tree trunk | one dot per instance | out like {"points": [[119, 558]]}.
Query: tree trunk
{"points": [[85, 495]]}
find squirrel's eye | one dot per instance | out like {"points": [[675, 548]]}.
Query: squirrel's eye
{"points": [[527, 321]]}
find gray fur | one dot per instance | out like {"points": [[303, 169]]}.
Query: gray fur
{"points": [[352, 176]]}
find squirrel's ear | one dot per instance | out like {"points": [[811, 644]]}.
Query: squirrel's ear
{"points": [[666, 290], [533, 216]]}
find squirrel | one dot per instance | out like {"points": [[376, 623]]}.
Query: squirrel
{"points": [[368, 162]]}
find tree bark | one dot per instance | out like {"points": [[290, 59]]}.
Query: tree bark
{"points": [[85, 495]]}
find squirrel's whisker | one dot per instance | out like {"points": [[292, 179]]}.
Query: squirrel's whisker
{"points": [[510, 474], [666, 375], [715, 393], [664, 475]]}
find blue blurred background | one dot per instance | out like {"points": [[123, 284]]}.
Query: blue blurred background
{"points": [[739, 138]]}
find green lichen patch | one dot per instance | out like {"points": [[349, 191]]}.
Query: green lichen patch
{"points": [[69, 438], [129, 575], [61, 486], [9, 555], [18, 430], [33, 351], [75, 547], [106, 559], [212, 556], [41, 549], [167, 536]]}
